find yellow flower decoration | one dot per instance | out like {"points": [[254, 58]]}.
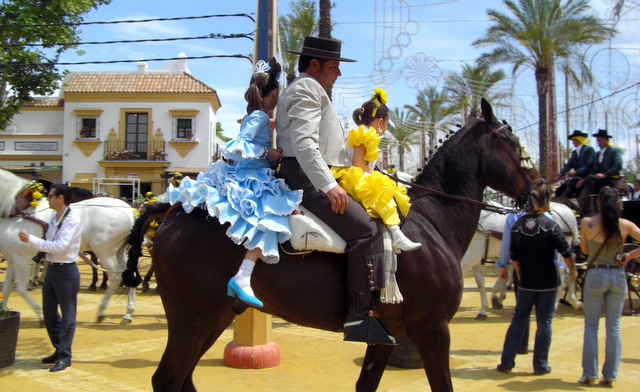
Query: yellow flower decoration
{"points": [[380, 95]]}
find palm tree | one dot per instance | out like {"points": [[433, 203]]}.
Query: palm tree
{"points": [[402, 127], [435, 111], [468, 88], [538, 33], [324, 24], [294, 27]]}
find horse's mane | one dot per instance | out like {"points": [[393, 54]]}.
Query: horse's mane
{"points": [[11, 186], [427, 169]]}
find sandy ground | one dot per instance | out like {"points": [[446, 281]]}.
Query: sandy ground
{"points": [[113, 357]]}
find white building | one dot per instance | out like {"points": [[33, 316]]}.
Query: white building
{"points": [[83, 134]]}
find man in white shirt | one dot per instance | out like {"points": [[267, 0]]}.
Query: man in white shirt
{"points": [[312, 140], [62, 281]]}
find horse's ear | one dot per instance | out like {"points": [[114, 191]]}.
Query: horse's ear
{"points": [[487, 110]]}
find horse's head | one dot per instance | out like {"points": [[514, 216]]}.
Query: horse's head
{"points": [[513, 171]]}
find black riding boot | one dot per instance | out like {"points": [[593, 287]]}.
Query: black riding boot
{"points": [[361, 326]]}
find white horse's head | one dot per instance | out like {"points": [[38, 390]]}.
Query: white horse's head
{"points": [[11, 186]]}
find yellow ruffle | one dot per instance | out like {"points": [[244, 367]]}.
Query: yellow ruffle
{"points": [[368, 136], [380, 196]]}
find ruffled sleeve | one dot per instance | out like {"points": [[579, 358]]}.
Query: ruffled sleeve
{"points": [[369, 138], [247, 145]]}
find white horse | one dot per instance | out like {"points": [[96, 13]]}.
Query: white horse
{"points": [[106, 224], [485, 247]]}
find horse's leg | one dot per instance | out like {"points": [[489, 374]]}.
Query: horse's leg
{"points": [[147, 279], [115, 279], [188, 341], [375, 361], [105, 278], [433, 341], [131, 305], [20, 275], [498, 293], [484, 304]]}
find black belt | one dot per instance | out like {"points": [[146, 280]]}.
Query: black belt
{"points": [[605, 266], [58, 264]]}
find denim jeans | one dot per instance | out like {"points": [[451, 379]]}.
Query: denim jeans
{"points": [[544, 302], [608, 287]]}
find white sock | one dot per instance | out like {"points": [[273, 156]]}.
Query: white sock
{"points": [[243, 277]]}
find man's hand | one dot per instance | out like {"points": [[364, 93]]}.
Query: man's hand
{"points": [[339, 199], [601, 175], [274, 154], [24, 237], [572, 173], [504, 273]]}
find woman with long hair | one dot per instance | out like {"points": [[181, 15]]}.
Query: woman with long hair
{"points": [[602, 238]]}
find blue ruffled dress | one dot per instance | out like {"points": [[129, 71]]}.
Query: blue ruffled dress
{"points": [[244, 193]]}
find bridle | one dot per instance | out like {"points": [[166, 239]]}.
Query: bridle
{"points": [[522, 200]]}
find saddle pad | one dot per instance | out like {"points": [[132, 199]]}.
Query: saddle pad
{"points": [[308, 232]]}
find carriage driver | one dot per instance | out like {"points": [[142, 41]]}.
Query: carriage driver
{"points": [[312, 140]]}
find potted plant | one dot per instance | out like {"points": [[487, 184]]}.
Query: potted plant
{"points": [[188, 135], [9, 326], [157, 155]]}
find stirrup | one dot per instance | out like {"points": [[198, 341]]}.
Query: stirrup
{"points": [[370, 331]]}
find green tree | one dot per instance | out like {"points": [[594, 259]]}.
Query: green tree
{"points": [[475, 82], [402, 127], [294, 27], [537, 34], [435, 112], [220, 132], [30, 70]]}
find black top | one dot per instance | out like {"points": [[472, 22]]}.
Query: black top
{"points": [[534, 240]]}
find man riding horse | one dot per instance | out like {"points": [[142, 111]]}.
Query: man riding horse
{"points": [[311, 137]]}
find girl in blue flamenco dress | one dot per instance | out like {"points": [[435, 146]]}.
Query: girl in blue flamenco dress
{"points": [[380, 196], [243, 191]]}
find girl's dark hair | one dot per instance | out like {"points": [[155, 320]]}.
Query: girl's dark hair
{"points": [[261, 84], [539, 198], [610, 213], [370, 110]]}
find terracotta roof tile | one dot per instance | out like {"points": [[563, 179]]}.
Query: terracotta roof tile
{"points": [[132, 82], [45, 102]]}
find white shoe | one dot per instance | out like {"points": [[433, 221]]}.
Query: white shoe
{"points": [[402, 243]]}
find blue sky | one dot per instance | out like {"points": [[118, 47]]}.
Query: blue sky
{"points": [[389, 35]]}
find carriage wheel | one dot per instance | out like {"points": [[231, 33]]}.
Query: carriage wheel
{"points": [[632, 305]]}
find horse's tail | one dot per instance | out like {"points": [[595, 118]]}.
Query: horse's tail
{"points": [[151, 212]]}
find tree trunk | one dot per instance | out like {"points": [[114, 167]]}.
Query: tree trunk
{"points": [[401, 158], [542, 86], [325, 19]]}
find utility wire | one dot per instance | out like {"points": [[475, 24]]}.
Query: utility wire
{"points": [[128, 21], [132, 61], [584, 104], [212, 35]]}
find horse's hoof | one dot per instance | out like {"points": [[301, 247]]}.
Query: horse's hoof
{"points": [[481, 316], [125, 321], [101, 318], [495, 304], [93, 288], [145, 288], [104, 286]]}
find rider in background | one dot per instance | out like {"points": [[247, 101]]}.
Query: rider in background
{"points": [[378, 193], [578, 165]]}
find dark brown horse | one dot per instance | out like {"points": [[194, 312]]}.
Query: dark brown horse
{"points": [[194, 259]]}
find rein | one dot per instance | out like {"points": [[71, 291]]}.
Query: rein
{"points": [[530, 181]]}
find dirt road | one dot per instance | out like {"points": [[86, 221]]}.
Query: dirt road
{"points": [[113, 357]]}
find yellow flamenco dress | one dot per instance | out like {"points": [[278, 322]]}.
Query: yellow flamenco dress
{"points": [[376, 192]]}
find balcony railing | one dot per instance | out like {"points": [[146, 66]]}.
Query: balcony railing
{"points": [[115, 150]]}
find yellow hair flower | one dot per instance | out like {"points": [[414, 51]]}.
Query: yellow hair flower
{"points": [[380, 95]]}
